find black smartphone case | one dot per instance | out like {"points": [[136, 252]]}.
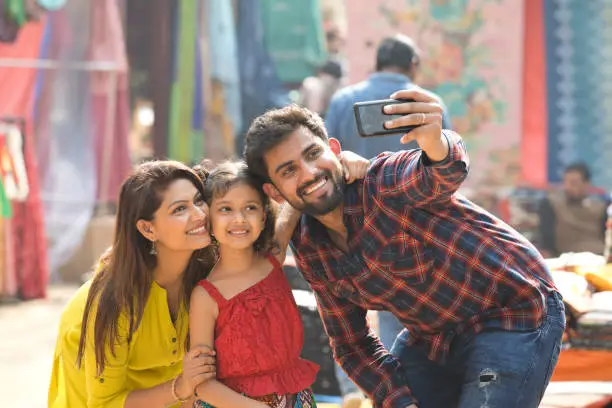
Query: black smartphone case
{"points": [[370, 118]]}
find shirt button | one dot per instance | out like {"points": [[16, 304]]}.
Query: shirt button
{"points": [[101, 380], [174, 339], [173, 351], [172, 362]]}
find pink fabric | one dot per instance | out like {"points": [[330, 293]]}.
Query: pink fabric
{"points": [[9, 281], [107, 44], [27, 229]]}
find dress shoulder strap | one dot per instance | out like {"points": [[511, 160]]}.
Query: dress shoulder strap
{"points": [[213, 292], [272, 259]]}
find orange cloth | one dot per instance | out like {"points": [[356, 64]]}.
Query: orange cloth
{"points": [[584, 365]]}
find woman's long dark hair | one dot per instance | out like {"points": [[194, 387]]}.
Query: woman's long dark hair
{"points": [[122, 283]]}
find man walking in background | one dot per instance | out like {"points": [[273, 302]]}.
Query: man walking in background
{"points": [[397, 65]]}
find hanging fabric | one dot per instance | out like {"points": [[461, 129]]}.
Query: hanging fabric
{"points": [[9, 29], [6, 212], [51, 5], [6, 209], [223, 60], [25, 238], [14, 14], [9, 191], [182, 92], [12, 163], [294, 37], [16, 11], [261, 88], [28, 243], [110, 103]]}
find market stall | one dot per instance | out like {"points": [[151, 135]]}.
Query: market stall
{"points": [[583, 377]]}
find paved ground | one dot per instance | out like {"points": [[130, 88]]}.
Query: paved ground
{"points": [[27, 339]]}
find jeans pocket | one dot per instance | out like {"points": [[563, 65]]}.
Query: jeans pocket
{"points": [[552, 363], [555, 310], [547, 354]]}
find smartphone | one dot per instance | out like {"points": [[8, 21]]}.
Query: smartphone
{"points": [[371, 119]]}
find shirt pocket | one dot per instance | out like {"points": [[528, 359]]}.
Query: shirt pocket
{"points": [[404, 257], [341, 288]]}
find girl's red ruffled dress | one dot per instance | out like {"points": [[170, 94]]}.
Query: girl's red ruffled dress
{"points": [[258, 339]]}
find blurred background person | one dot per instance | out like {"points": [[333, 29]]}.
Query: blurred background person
{"points": [[397, 65], [573, 219], [316, 91]]}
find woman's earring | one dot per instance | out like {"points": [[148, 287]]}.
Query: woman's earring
{"points": [[153, 250]]}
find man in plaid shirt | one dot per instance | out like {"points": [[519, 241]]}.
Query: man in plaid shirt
{"points": [[484, 321]]}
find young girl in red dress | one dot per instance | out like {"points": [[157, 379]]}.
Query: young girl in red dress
{"points": [[245, 307]]}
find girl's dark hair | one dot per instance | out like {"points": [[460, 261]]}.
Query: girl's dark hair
{"points": [[231, 173], [123, 279]]}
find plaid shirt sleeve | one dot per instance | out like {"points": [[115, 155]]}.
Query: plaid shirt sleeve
{"points": [[411, 177], [360, 353]]}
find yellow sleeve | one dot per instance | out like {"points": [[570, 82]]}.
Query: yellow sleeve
{"points": [[109, 389], [54, 384]]}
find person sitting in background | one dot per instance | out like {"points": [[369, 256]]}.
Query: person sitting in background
{"points": [[572, 220]]}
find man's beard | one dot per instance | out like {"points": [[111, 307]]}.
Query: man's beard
{"points": [[325, 204]]}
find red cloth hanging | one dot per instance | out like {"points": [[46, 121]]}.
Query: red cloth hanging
{"points": [[535, 133], [107, 44], [28, 231]]}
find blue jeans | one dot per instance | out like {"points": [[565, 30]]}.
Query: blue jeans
{"points": [[346, 385], [495, 368], [388, 328]]}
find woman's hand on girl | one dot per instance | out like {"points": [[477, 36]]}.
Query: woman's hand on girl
{"points": [[199, 365], [355, 166]]}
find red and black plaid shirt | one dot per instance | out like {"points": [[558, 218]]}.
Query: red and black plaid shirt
{"points": [[437, 261]]}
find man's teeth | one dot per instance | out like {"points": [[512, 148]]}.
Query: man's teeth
{"points": [[196, 231], [315, 186]]}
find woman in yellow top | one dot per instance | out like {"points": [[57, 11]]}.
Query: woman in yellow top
{"points": [[122, 337]]}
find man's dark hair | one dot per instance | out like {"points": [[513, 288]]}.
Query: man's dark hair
{"points": [[397, 52], [332, 35], [581, 168], [332, 68], [270, 129]]}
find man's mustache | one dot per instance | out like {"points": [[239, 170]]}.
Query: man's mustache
{"points": [[314, 181]]}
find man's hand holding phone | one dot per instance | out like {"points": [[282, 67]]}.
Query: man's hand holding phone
{"points": [[425, 112]]}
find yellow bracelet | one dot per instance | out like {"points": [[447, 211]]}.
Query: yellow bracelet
{"points": [[174, 394]]}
